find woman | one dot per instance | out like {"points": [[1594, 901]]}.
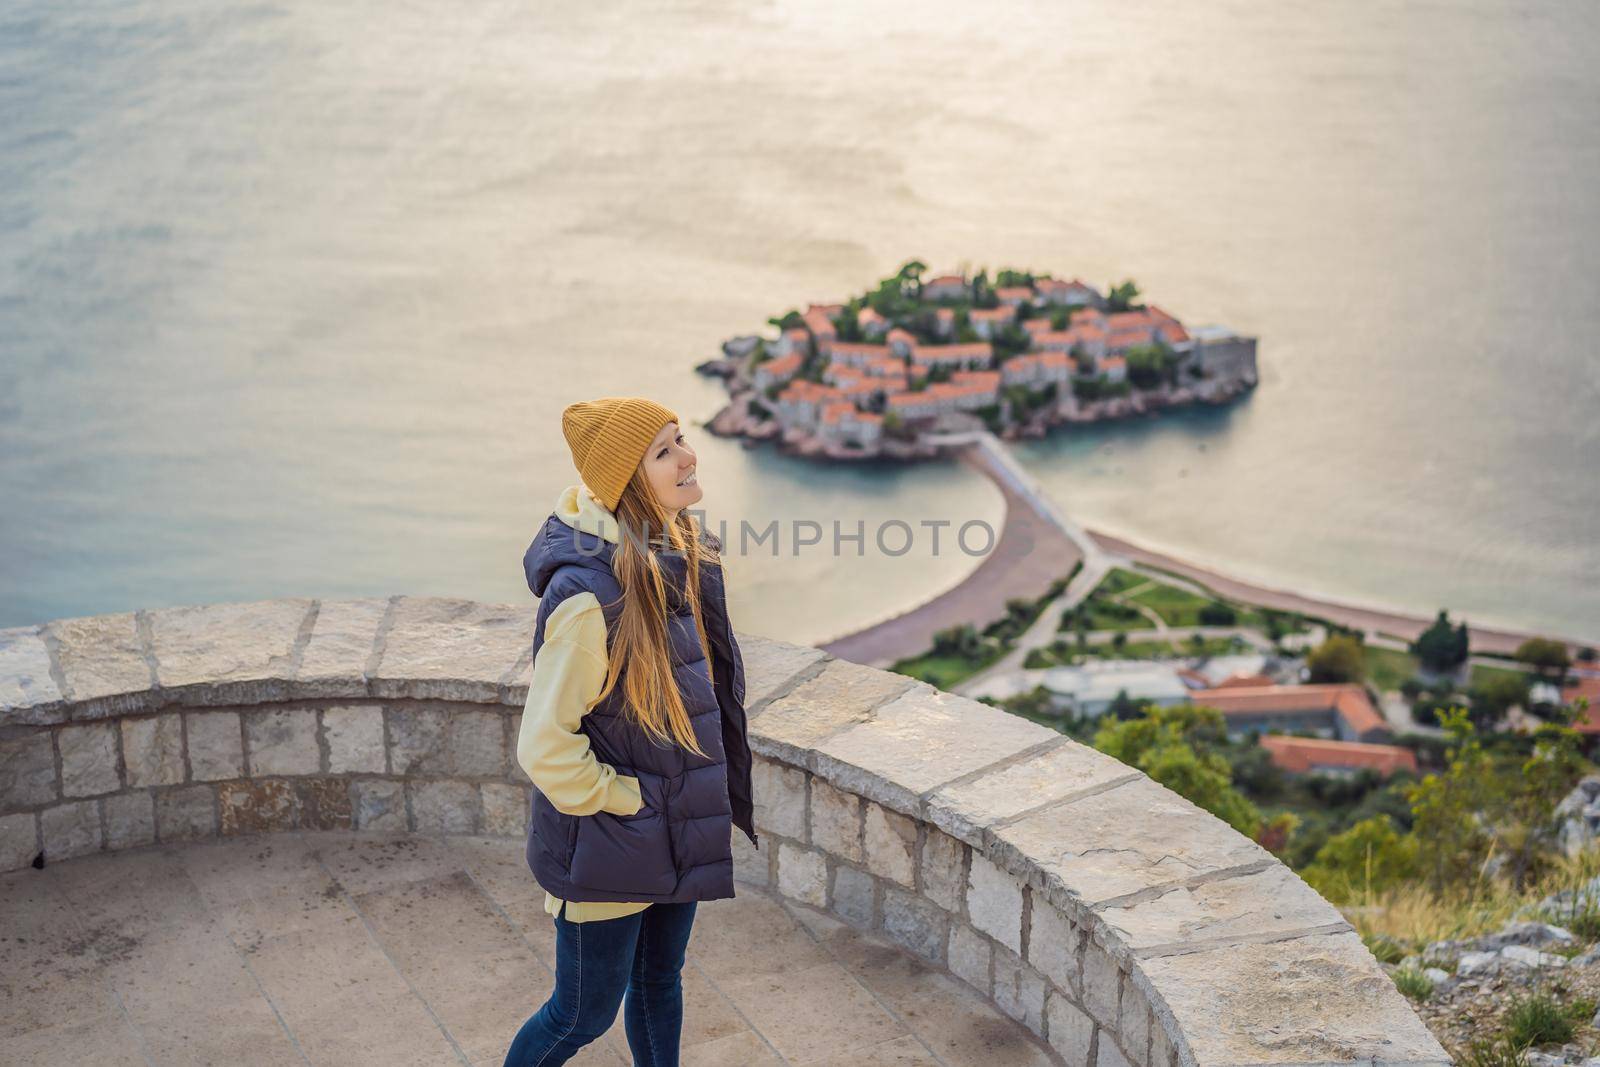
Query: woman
{"points": [[633, 732]]}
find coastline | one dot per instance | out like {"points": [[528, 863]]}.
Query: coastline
{"points": [[1370, 619], [1038, 544]]}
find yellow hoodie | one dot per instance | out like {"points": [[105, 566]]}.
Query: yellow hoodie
{"points": [[568, 672]]}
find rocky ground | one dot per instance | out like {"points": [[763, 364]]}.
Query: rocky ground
{"points": [[1476, 983]]}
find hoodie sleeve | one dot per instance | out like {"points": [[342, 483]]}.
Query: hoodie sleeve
{"points": [[568, 672]]}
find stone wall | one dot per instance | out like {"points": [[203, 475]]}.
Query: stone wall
{"points": [[1121, 923]]}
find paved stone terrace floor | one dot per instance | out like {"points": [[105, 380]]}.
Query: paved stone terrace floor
{"points": [[351, 949]]}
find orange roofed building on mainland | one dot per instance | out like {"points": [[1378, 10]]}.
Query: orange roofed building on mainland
{"points": [[1342, 711], [1321, 755]]}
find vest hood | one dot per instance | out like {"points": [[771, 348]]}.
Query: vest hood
{"points": [[579, 530]]}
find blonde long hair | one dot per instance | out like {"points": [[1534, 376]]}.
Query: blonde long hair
{"points": [[640, 641]]}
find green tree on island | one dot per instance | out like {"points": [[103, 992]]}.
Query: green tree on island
{"points": [[1122, 297], [1341, 658], [1441, 648]]}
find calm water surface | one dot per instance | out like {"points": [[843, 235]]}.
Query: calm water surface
{"points": [[292, 294]]}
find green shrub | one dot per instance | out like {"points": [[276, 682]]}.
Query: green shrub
{"points": [[1499, 1052], [1413, 983], [1537, 1020], [1385, 948], [1586, 924]]}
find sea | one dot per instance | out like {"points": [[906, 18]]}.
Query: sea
{"points": [[292, 294]]}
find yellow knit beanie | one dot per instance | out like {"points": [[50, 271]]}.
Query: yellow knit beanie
{"points": [[608, 437]]}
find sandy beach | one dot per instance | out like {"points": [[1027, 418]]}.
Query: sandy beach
{"points": [[1035, 548]]}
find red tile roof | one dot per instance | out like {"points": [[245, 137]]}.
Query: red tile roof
{"points": [[1297, 755], [1349, 702]]}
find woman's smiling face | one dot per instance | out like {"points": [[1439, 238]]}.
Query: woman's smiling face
{"points": [[669, 466]]}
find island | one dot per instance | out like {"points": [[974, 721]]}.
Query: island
{"points": [[887, 373]]}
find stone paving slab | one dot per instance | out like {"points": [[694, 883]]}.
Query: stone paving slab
{"points": [[1265, 904], [921, 741], [227, 653], [1094, 849], [441, 648], [345, 948], [342, 644], [102, 658], [1312, 999], [28, 691], [965, 808]]}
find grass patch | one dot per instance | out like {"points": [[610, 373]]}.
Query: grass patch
{"points": [[1387, 668], [1498, 1052], [1537, 1020], [1413, 983], [944, 670], [1481, 674]]}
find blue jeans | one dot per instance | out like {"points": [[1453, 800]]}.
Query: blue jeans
{"points": [[596, 962]]}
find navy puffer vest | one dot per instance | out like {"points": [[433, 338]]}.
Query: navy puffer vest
{"points": [[679, 845]]}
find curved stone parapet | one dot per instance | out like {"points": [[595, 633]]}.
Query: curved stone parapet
{"points": [[1120, 922]]}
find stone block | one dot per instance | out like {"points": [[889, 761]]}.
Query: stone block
{"points": [[152, 748], [444, 807], [354, 736], [1159, 837], [1102, 984], [842, 695], [1019, 990], [1163, 1053], [88, 759], [477, 743], [505, 809], [1071, 1031], [130, 819], [802, 874], [343, 637], [835, 821], [915, 924], [1272, 901], [27, 771], [187, 813], [891, 845], [417, 743], [918, 742], [771, 665], [378, 804], [257, 806], [19, 841], [1067, 768], [227, 653], [852, 896], [216, 745], [28, 691], [970, 956], [1054, 945], [751, 864], [780, 798], [1133, 1024], [1314, 999], [994, 902], [1106, 1052], [324, 804], [944, 875], [282, 741], [102, 661], [444, 648], [71, 829]]}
